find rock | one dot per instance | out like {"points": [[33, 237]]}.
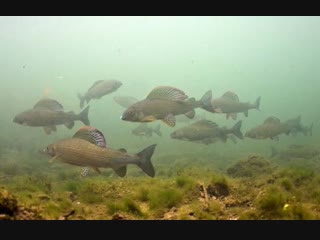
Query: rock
{"points": [[218, 190]]}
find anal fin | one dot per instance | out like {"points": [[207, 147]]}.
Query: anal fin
{"points": [[190, 114], [69, 124]]}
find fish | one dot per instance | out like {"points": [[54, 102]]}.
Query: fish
{"points": [[144, 130], [99, 89], [125, 101], [164, 103], [296, 127], [88, 149], [295, 151], [206, 132], [229, 103], [271, 128], [48, 113]]}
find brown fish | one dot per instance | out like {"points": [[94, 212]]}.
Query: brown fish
{"points": [[125, 101], [271, 128], [206, 132], [48, 113], [98, 90], [87, 148], [163, 103], [144, 130], [229, 103]]}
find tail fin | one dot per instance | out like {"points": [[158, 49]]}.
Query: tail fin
{"points": [[236, 130], [82, 99], [257, 103], [83, 116], [205, 101], [157, 130], [145, 160], [274, 152]]}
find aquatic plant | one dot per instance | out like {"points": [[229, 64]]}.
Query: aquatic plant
{"points": [[298, 175], [164, 198], [143, 194], [250, 167], [271, 202], [125, 206]]}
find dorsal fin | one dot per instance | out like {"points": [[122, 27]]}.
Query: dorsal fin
{"points": [[205, 122], [95, 83], [231, 96], [272, 120], [91, 135], [168, 93], [48, 103]]}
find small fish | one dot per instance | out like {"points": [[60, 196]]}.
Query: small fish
{"points": [[229, 103], [87, 148], [206, 132], [125, 101], [144, 130], [296, 127], [164, 103], [48, 113], [98, 90], [271, 128]]}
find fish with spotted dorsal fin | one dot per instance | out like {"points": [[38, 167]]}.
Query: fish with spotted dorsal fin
{"points": [[164, 103], [88, 148]]}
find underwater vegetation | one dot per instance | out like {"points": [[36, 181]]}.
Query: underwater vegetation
{"points": [[250, 188]]}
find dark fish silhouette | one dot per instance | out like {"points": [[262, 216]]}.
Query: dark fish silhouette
{"points": [[229, 103], [144, 130], [206, 132]]}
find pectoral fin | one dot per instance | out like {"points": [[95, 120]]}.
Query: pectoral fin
{"points": [[170, 120], [85, 171], [53, 159], [122, 150]]}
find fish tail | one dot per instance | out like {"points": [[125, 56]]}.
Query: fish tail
{"points": [[257, 103], [236, 130], [83, 116], [82, 99], [157, 130], [145, 160], [274, 151], [205, 101]]}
